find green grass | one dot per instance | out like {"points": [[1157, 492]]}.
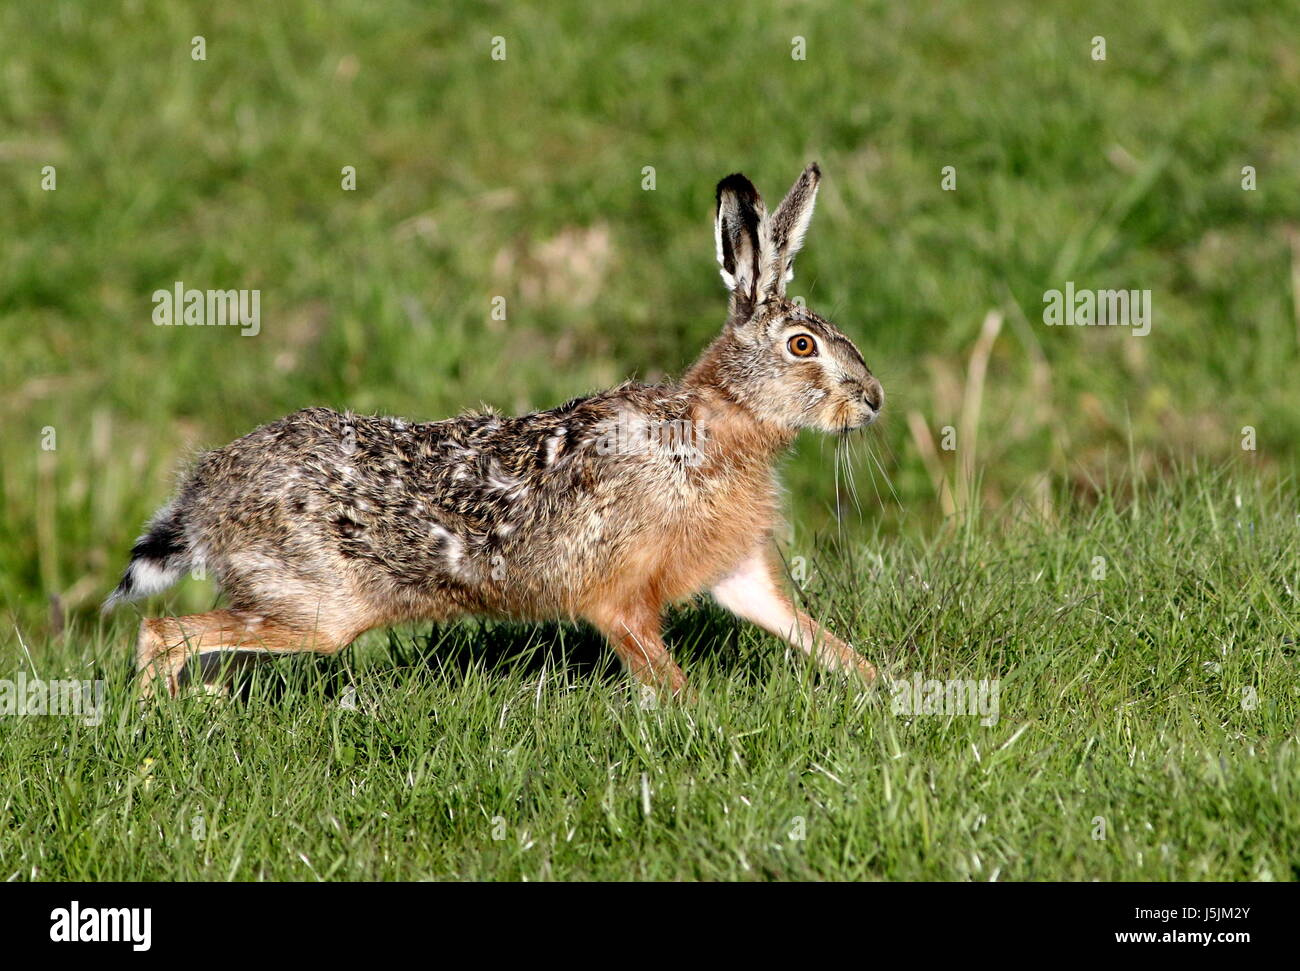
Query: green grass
{"points": [[1120, 698]]}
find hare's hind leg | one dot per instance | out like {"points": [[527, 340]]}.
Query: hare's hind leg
{"points": [[753, 592], [167, 644]]}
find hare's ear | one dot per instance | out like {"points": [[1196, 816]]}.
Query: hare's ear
{"points": [[740, 229], [789, 224]]}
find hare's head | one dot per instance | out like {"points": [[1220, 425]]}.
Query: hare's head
{"points": [[783, 362]]}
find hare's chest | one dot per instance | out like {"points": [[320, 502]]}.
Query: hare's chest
{"points": [[718, 529]]}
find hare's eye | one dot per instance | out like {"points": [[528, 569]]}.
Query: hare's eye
{"points": [[801, 345]]}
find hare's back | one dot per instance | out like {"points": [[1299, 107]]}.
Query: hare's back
{"points": [[475, 513]]}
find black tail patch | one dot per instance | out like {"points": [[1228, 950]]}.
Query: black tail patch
{"points": [[157, 560]]}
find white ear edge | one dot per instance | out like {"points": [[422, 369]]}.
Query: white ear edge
{"points": [[727, 278]]}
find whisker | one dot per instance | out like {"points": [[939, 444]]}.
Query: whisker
{"points": [[839, 470], [844, 447], [875, 487], [883, 473]]}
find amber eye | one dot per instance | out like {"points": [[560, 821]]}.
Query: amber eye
{"points": [[801, 345]]}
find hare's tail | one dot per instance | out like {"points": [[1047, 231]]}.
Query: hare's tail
{"points": [[158, 559]]}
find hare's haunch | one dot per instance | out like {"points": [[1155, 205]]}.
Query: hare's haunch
{"points": [[323, 525]]}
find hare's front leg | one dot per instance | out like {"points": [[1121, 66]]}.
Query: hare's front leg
{"points": [[634, 633], [753, 592]]}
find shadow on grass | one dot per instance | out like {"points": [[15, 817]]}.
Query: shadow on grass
{"points": [[699, 637], [695, 636]]}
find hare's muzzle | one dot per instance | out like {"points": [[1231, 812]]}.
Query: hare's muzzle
{"points": [[868, 397]]}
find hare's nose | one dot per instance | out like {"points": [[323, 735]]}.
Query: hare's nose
{"points": [[873, 394]]}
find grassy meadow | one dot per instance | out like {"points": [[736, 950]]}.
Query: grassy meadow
{"points": [[1112, 538]]}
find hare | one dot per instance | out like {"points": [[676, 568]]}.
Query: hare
{"points": [[322, 525]]}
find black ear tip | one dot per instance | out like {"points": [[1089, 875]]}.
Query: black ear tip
{"points": [[814, 170], [739, 185]]}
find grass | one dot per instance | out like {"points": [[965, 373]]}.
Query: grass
{"points": [[1121, 697]]}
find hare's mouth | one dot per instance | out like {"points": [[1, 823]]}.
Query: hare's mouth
{"points": [[852, 416], [869, 416]]}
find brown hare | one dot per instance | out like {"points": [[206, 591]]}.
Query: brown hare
{"points": [[323, 525]]}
